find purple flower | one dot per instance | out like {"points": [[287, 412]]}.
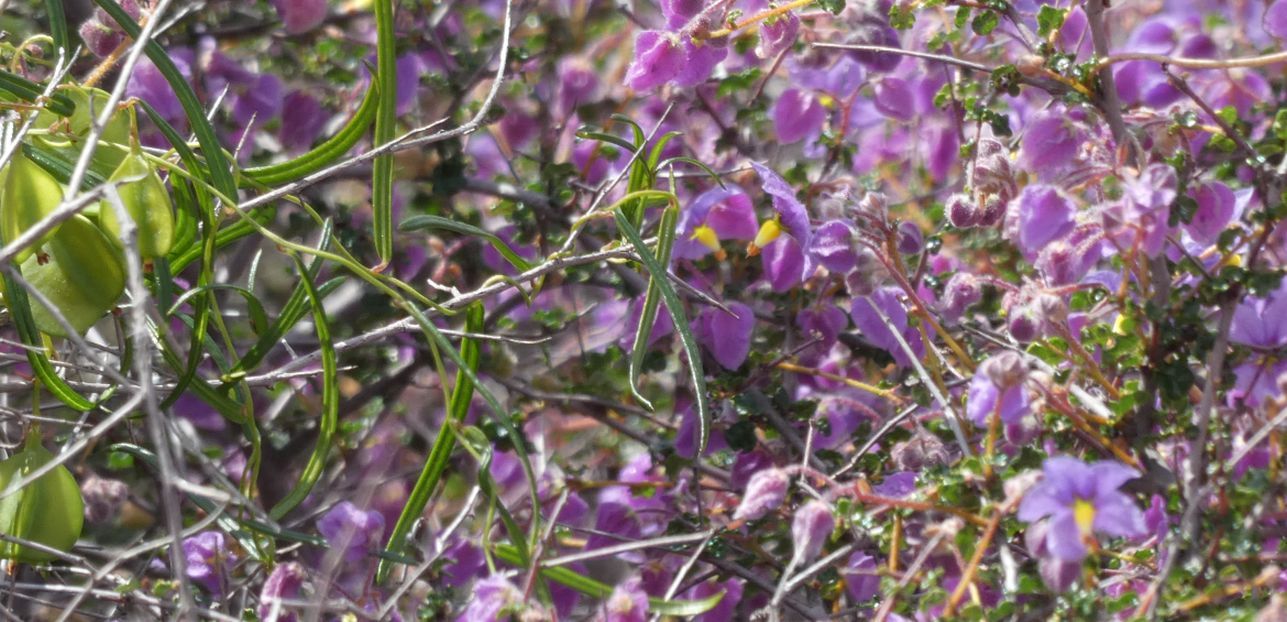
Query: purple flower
{"points": [[797, 115], [301, 127], [1260, 323], [764, 493], [283, 584], [726, 337], [299, 16], [810, 529], [1216, 207], [726, 609], [208, 558], [1082, 500], [715, 215], [862, 582], [700, 59], [658, 59], [777, 34], [680, 12], [1140, 217], [1057, 574], [1275, 20], [1039, 215], [872, 29], [997, 387], [879, 332], [833, 246], [578, 84], [494, 599], [1050, 142], [784, 263], [628, 602], [824, 323], [894, 99], [354, 531], [791, 212]]}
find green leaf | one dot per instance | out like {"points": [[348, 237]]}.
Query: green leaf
{"points": [[984, 23], [330, 401], [324, 154], [680, 319], [20, 311], [440, 454], [258, 319], [29, 91], [385, 120], [596, 589], [58, 27], [1050, 19], [416, 223], [832, 6]]}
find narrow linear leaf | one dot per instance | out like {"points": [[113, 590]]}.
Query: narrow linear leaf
{"points": [[652, 301], [29, 91], [327, 425], [680, 319], [20, 310], [443, 444], [58, 27], [416, 223], [597, 589], [385, 118]]}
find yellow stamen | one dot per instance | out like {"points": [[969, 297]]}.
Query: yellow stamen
{"points": [[707, 237], [769, 231], [1084, 515]]}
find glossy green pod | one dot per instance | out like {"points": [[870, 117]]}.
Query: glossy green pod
{"points": [[28, 193], [148, 202], [83, 275], [49, 510]]}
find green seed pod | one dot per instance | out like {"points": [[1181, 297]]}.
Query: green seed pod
{"points": [[49, 510], [29, 193], [83, 276], [69, 133], [148, 202]]}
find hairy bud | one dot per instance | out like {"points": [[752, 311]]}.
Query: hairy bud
{"points": [[764, 493]]}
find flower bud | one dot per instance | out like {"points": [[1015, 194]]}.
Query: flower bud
{"points": [[993, 209], [962, 211], [910, 240], [961, 291], [1053, 312], [811, 528], [1023, 324], [100, 39], [1005, 369], [920, 451], [103, 498], [764, 492]]}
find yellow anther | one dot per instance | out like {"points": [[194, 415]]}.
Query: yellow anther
{"points": [[1084, 515], [707, 237], [769, 231]]}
